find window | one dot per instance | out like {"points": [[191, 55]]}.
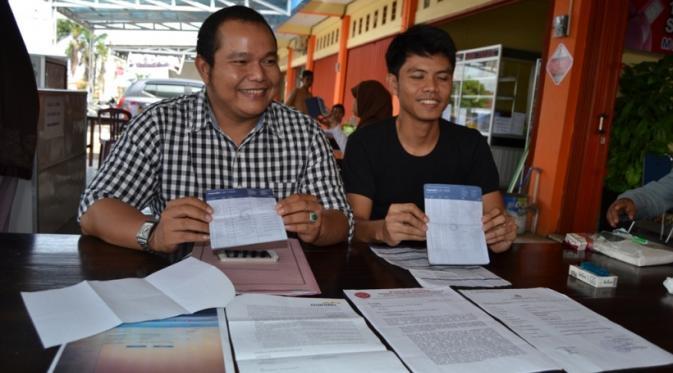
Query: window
{"points": [[426, 4], [393, 11], [367, 24], [359, 26], [384, 16], [354, 25], [376, 17]]}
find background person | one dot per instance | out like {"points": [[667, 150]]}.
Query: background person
{"points": [[648, 201], [299, 95], [371, 102], [333, 125]]}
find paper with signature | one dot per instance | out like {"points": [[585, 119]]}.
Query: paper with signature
{"points": [[437, 330], [578, 339], [431, 276]]}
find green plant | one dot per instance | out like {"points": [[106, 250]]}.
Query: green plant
{"points": [[643, 121]]}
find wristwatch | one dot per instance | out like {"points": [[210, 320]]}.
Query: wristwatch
{"points": [[144, 234]]}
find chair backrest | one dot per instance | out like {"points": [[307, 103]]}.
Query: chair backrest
{"points": [[656, 166], [116, 118]]}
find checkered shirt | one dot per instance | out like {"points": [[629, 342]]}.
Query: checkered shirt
{"points": [[175, 149]]}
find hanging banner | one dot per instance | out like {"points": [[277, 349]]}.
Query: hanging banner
{"points": [[650, 26]]}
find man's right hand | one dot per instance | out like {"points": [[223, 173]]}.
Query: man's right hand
{"points": [[183, 220], [404, 221], [618, 207]]}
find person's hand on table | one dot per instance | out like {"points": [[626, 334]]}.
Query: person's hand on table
{"points": [[404, 222], [499, 229], [302, 214], [619, 207], [184, 220]]}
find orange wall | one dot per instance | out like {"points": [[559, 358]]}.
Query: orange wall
{"points": [[324, 75], [558, 108], [365, 62]]}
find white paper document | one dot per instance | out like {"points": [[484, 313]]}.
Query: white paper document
{"points": [[578, 339], [272, 333], [432, 276], [455, 233], [244, 217], [90, 307], [437, 330]]}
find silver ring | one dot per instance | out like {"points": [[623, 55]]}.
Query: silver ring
{"points": [[313, 216]]}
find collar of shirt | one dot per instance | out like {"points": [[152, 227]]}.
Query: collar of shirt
{"points": [[203, 117]]}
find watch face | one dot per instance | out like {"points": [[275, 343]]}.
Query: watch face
{"points": [[144, 233], [145, 230]]}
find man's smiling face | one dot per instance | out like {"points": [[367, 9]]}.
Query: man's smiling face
{"points": [[423, 86], [244, 77]]}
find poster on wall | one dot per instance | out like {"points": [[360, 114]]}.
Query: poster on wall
{"points": [[559, 63], [650, 26]]}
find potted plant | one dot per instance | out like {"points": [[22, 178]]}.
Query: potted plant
{"points": [[643, 122]]}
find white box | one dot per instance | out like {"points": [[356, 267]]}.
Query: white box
{"points": [[591, 278]]}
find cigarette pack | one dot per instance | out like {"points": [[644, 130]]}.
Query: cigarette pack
{"points": [[578, 240], [591, 278]]}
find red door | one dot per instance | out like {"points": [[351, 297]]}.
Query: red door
{"points": [[594, 115]]}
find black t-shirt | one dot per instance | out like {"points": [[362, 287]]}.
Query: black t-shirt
{"points": [[377, 166]]}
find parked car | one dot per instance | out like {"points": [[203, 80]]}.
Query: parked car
{"points": [[148, 91]]}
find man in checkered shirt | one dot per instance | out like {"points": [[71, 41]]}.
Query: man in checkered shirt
{"points": [[231, 135]]}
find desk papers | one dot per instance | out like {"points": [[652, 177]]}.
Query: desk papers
{"points": [[192, 343], [244, 217], [415, 260], [90, 307], [290, 275], [455, 231], [577, 338], [437, 330], [271, 333]]}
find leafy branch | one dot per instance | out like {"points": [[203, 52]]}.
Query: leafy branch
{"points": [[643, 121]]}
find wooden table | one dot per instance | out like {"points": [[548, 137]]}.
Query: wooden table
{"points": [[39, 262]]}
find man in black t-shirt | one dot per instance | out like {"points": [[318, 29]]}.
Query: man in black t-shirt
{"points": [[387, 163]]}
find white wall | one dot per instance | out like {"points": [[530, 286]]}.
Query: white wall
{"points": [[37, 23]]}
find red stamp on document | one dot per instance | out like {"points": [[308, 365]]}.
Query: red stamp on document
{"points": [[362, 294]]}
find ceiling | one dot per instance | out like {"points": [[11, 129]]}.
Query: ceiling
{"points": [[289, 18], [163, 15]]}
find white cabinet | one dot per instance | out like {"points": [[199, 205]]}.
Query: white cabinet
{"points": [[493, 92]]}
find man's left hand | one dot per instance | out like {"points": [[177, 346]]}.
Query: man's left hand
{"points": [[302, 214], [500, 230]]}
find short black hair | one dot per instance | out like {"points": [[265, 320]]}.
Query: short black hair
{"points": [[208, 43], [339, 106], [307, 74], [420, 40]]}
